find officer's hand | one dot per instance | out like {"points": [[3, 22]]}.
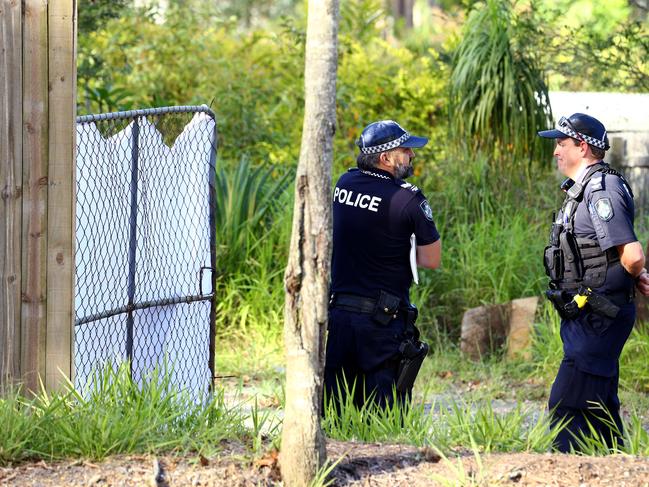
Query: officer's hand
{"points": [[642, 282]]}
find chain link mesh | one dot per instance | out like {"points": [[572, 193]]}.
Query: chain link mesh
{"points": [[145, 244]]}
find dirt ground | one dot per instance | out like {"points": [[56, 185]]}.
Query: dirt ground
{"points": [[362, 465]]}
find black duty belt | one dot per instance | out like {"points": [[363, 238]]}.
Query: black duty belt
{"points": [[361, 304], [604, 304], [620, 298], [351, 302]]}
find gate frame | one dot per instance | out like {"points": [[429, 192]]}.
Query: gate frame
{"points": [[131, 306]]}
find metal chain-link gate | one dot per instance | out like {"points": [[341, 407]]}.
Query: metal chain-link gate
{"points": [[145, 242]]}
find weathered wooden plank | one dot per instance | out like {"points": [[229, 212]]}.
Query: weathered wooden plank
{"points": [[61, 194], [35, 161], [10, 187]]}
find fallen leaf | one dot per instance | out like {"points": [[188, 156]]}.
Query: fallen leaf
{"points": [[269, 460]]}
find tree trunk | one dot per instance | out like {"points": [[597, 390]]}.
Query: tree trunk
{"points": [[307, 274], [402, 9]]}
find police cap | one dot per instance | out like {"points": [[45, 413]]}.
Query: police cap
{"points": [[384, 135], [581, 127]]}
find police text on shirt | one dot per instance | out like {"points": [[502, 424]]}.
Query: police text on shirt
{"points": [[348, 197]]}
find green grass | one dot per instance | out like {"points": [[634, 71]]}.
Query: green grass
{"points": [[452, 425], [20, 427], [248, 199], [118, 416]]}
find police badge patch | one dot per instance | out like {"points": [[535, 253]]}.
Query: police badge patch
{"points": [[428, 212], [604, 209]]}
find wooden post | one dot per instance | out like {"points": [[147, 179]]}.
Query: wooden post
{"points": [[37, 138], [34, 232], [10, 187], [61, 195]]}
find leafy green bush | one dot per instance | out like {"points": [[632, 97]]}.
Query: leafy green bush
{"points": [[254, 79], [246, 200], [493, 214], [609, 45], [498, 92]]}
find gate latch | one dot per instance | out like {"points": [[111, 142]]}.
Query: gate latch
{"points": [[206, 277]]}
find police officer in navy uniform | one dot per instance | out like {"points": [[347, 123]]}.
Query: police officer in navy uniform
{"points": [[375, 216], [594, 261]]}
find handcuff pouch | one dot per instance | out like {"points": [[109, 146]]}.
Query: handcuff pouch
{"points": [[386, 309]]}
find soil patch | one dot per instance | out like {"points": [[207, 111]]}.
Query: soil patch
{"points": [[362, 464]]}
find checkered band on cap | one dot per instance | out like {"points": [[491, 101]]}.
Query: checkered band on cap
{"points": [[387, 146], [576, 135]]}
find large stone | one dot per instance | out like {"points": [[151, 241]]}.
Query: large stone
{"points": [[521, 323], [484, 329], [488, 328]]}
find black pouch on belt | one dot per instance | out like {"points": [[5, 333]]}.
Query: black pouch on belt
{"points": [[386, 309], [563, 303], [600, 304], [413, 354]]}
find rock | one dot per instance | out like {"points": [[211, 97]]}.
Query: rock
{"points": [[515, 475], [159, 478], [521, 323], [484, 329], [487, 328]]}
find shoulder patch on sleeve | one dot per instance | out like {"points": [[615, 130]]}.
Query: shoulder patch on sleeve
{"points": [[597, 223], [604, 209], [426, 210]]}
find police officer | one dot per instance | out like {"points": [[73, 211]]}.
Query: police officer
{"points": [[593, 260], [377, 218]]}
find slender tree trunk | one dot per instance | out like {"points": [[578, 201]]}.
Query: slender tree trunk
{"points": [[307, 274], [402, 9]]}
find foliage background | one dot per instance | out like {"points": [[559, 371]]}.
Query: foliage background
{"points": [[492, 194]]}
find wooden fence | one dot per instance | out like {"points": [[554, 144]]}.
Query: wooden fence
{"points": [[37, 131]]}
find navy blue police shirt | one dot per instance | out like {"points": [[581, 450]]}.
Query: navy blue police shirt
{"points": [[374, 216], [606, 214]]}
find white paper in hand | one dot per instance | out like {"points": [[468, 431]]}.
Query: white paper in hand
{"points": [[413, 258]]}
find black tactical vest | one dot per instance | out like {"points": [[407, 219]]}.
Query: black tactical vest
{"points": [[571, 261]]}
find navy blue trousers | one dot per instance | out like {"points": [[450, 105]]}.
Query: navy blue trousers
{"points": [[573, 397], [588, 377], [363, 354]]}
